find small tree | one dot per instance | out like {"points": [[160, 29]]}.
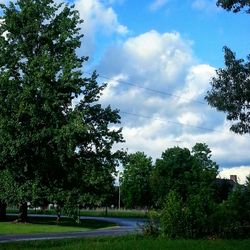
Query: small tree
{"points": [[135, 185], [171, 218]]}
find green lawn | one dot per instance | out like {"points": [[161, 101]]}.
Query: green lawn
{"points": [[42, 225], [130, 242]]}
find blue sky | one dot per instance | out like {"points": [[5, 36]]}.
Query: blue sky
{"points": [[173, 47], [201, 21]]}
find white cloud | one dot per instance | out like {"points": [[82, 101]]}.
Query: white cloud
{"points": [[98, 17], [196, 83], [150, 59], [190, 118], [165, 62], [157, 4], [205, 5], [241, 172]]}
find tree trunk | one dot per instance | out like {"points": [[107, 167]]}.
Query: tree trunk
{"points": [[23, 212], [3, 207], [58, 212], [106, 210]]}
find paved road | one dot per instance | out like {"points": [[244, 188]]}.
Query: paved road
{"points": [[125, 226]]}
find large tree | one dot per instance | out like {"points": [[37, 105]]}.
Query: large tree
{"points": [[44, 137], [135, 184], [230, 91]]}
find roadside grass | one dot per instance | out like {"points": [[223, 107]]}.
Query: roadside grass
{"points": [[130, 242], [101, 212], [49, 225]]}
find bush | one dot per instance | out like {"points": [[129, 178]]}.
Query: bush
{"points": [[151, 227], [171, 217]]}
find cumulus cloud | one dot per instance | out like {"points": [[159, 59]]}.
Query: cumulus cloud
{"points": [[196, 83], [155, 121], [150, 59], [98, 16]]}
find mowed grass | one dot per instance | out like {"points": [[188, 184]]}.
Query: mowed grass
{"points": [[49, 225], [130, 242]]}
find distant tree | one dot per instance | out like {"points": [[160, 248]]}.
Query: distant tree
{"points": [[204, 169], [135, 182], [45, 140], [230, 91], [184, 172], [169, 173]]}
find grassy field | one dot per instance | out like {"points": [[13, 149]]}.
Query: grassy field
{"points": [[130, 242], [41, 225], [123, 213]]}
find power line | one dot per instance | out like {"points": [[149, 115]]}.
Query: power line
{"points": [[149, 89], [179, 123], [167, 94]]}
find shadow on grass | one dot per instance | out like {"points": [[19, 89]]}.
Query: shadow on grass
{"points": [[64, 222]]}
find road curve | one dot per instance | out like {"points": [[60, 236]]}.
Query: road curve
{"points": [[124, 226]]}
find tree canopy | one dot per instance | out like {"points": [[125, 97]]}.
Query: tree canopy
{"points": [[230, 91], [184, 172], [45, 136], [234, 5], [135, 185]]}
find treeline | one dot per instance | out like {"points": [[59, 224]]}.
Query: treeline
{"points": [[190, 200]]}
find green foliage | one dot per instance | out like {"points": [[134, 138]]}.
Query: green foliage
{"points": [[172, 219], [184, 172], [234, 5], [135, 181], [230, 91], [47, 144], [232, 217], [151, 227], [169, 172]]}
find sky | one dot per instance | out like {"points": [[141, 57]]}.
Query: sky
{"points": [[158, 57]]}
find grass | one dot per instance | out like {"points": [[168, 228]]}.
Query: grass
{"points": [[130, 242], [49, 225]]}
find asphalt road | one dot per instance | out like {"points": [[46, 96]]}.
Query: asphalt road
{"points": [[124, 226]]}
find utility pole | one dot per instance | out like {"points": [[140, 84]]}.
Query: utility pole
{"points": [[119, 192]]}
